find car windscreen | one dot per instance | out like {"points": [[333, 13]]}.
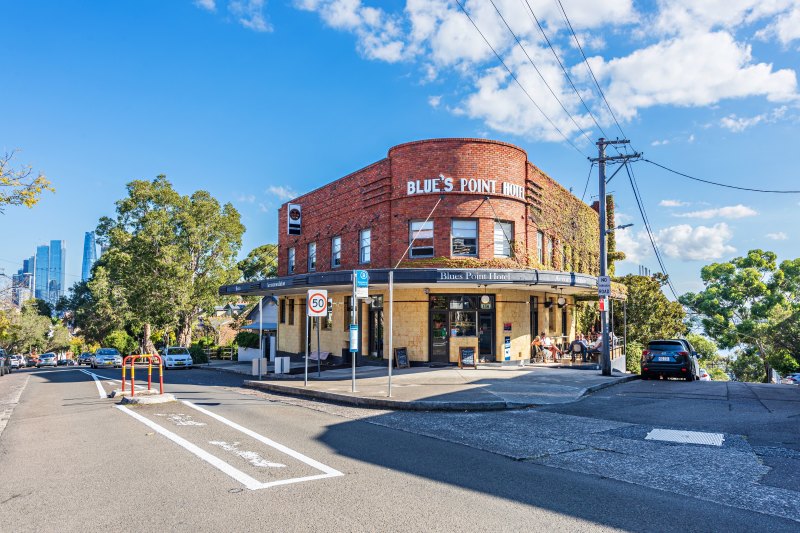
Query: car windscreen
{"points": [[107, 351], [178, 351], [669, 346]]}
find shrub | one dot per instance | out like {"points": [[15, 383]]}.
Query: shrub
{"points": [[633, 358], [246, 339]]}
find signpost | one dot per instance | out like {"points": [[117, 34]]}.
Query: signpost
{"points": [[316, 306], [604, 286], [360, 290]]}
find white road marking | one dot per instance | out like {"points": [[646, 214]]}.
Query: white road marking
{"points": [[100, 388], [251, 457], [182, 420], [238, 475], [329, 472], [96, 376], [10, 402]]}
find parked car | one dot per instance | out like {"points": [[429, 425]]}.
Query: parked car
{"points": [[85, 358], [704, 376], [62, 362], [31, 360], [177, 357], [17, 361], [670, 358], [5, 363], [47, 359], [792, 379], [107, 357]]}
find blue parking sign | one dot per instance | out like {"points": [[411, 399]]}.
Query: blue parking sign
{"points": [[362, 278]]}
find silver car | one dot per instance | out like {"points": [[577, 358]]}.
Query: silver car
{"points": [[47, 359], [107, 358]]}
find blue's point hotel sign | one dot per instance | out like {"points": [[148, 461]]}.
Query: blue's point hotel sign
{"points": [[463, 185]]}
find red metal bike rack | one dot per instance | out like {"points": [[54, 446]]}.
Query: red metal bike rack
{"points": [[132, 359]]}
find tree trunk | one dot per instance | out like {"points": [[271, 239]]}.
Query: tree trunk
{"points": [[149, 347], [185, 332]]}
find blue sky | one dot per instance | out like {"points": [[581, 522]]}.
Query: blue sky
{"points": [[258, 100]]}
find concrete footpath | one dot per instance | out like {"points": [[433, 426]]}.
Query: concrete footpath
{"points": [[446, 389]]}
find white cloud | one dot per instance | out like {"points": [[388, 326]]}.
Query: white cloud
{"points": [[282, 192], [785, 27], [672, 72], [699, 243], [777, 236], [246, 198], [691, 16], [208, 5], [691, 138], [635, 245], [434, 101], [672, 203], [263, 208], [659, 143], [739, 124], [250, 14], [731, 211]]}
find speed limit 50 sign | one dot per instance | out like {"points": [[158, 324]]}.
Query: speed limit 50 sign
{"points": [[317, 302]]}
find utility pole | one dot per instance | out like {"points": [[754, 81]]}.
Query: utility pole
{"points": [[605, 359]]}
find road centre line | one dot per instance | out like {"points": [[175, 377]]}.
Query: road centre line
{"points": [[100, 388], [238, 475], [329, 472]]}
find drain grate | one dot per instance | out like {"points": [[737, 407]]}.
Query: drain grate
{"points": [[686, 437]]}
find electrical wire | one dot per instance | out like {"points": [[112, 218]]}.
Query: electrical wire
{"points": [[586, 62], [718, 184], [514, 77], [648, 228], [586, 187], [563, 68], [533, 64]]}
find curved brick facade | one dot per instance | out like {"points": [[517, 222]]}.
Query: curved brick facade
{"points": [[387, 195]]}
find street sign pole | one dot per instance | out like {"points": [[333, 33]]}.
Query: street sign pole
{"points": [[305, 341], [391, 331], [353, 348], [319, 351]]}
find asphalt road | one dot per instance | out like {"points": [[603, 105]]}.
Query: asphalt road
{"points": [[233, 459]]}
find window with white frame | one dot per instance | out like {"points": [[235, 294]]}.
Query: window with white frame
{"points": [[421, 237], [365, 246], [464, 237], [291, 260], [540, 247], [503, 235], [312, 256], [336, 252], [551, 251]]}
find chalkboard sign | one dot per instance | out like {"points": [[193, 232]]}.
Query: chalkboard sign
{"points": [[466, 357], [401, 358]]}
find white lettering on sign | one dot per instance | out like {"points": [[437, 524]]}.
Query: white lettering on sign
{"points": [[470, 185]]}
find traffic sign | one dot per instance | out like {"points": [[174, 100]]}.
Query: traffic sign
{"points": [[604, 286], [353, 338], [362, 283], [317, 302]]}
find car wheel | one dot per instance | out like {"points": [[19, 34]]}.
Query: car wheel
{"points": [[690, 377]]}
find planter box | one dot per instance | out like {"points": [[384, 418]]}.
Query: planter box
{"points": [[248, 354]]}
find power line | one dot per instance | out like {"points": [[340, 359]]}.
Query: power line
{"points": [[563, 68], [533, 64], [648, 228], [718, 184], [586, 62], [499, 58], [586, 187]]}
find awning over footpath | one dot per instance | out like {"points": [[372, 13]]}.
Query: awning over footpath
{"points": [[432, 278]]}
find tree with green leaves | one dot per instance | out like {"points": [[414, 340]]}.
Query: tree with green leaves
{"points": [[29, 330], [19, 186], [746, 304], [748, 366], [168, 254], [260, 263], [650, 314]]}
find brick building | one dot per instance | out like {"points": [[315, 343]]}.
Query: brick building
{"points": [[499, 251]]}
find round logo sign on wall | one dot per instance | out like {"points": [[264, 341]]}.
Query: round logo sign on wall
{"points": [[294, 214]]}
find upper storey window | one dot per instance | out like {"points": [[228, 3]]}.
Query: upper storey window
{"points": [[503, 235], [365, 246], [464, 237], [540, 247], [291, 260], [421, 235], [336, 252], [312, 256]]}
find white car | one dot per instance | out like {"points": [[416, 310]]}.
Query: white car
{"points": [[177, 357], [17, 361], [704, 376]]}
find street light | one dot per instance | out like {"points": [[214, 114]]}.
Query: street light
{"points": [[623, 226]]}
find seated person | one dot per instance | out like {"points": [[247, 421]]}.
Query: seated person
{"points": [[578, 346], [597, 347], [549, 345], [536, 347]]}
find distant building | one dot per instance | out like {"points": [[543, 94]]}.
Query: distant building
{"points": [[49, 271], [89, 255]]}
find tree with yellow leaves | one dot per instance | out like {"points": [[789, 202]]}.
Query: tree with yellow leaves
{"points": [[19, 186]]}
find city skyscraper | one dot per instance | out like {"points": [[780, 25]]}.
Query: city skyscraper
{"points": [[42, 271], [22, 283], [57, 281], [89, 255]]}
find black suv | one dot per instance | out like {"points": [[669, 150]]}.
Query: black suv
{"points": [[670, 358]]}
